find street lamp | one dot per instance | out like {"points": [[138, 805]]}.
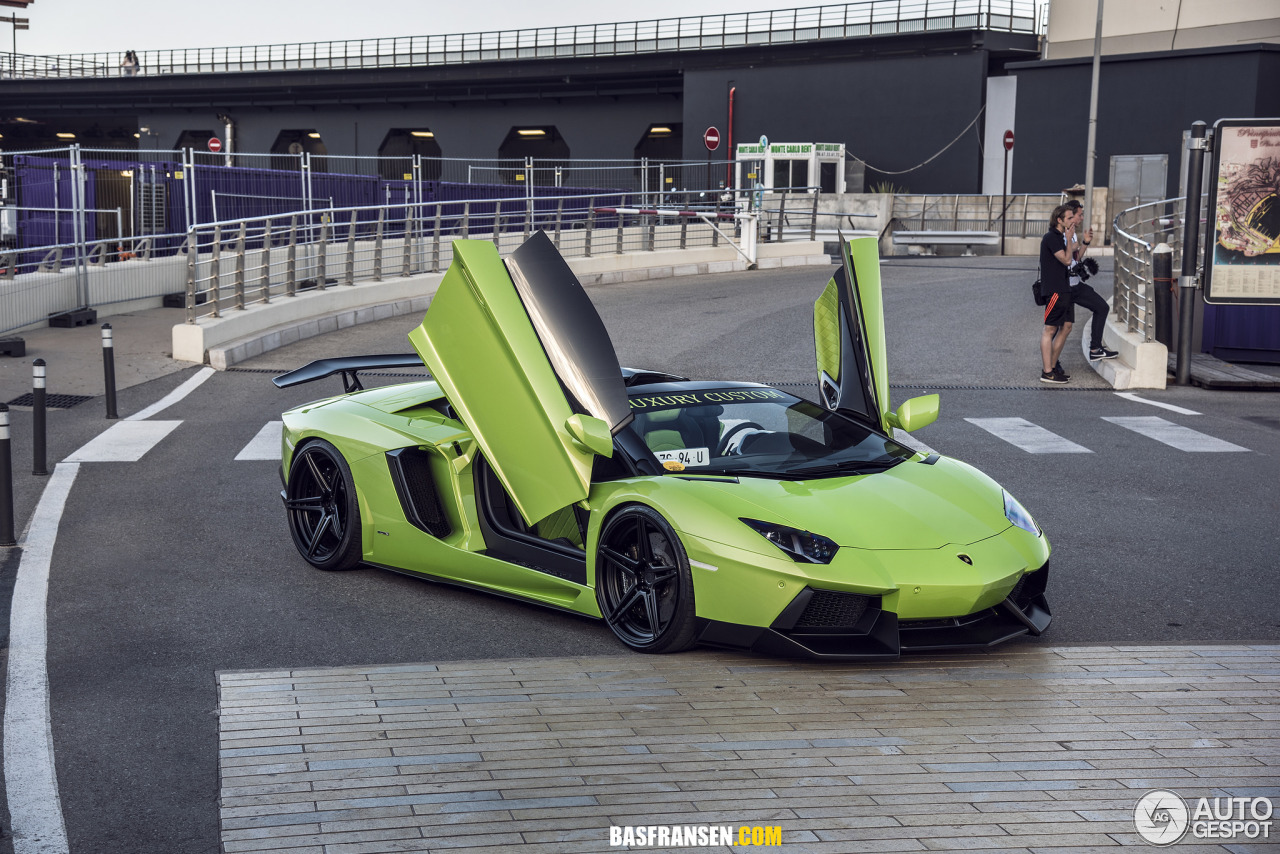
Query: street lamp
{"points": [[17, 24]]}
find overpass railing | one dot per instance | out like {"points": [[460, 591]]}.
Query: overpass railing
{"points": [[705, 32]]}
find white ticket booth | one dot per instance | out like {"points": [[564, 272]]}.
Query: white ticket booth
{"points": [[790, 166]]}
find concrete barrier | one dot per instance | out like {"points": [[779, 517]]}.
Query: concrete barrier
{"points": [[1141, 363]]}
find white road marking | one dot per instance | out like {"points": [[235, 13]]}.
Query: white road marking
{"points": [[265, 445], [1169, 406], [123, 442], [30, 776], [174, 396], [1175, 435], [1029, 437]]}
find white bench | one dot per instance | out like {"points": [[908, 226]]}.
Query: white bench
{"points": [[967, 239]]}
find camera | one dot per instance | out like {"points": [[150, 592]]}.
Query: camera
{"points": [[1083, 269]]}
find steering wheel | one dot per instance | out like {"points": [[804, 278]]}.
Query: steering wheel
{"points": [[732, 432]]}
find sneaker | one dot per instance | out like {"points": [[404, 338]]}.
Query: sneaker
{"points": [[1057, 369], [1051, 377], [1100, 353]]}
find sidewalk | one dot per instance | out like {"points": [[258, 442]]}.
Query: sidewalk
{"points": [[1028, 748], [73, 357]]}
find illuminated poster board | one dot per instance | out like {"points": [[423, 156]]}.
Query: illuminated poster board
{"points": [[1242, 261]]}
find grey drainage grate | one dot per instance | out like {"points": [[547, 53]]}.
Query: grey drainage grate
{"points": [[52, 401]]}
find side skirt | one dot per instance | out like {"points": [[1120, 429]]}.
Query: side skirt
{"points": [[481, 588]]}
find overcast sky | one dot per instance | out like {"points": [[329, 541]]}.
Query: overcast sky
{"points": [[87, 26]]}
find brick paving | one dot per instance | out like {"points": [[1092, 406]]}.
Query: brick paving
{"points": [[1028, 748]]}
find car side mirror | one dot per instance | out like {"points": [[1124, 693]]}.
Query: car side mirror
{"points": [[591, 434], [916, 413]]}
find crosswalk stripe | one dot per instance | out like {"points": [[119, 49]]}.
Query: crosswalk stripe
{"points": [[123, 442], [1029, 437], [1174, 435], [265, 445]]}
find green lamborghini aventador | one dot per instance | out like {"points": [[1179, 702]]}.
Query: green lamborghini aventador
{"points": [[680, 512]]}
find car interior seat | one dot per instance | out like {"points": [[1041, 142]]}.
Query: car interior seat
{"points": [[703, 422], [661, 430]]}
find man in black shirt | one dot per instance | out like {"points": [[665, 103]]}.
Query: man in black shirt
{"points": [[1059, 314], [1083, 294]]}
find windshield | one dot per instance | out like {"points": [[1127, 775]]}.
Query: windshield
{"points": [[757, 431]]}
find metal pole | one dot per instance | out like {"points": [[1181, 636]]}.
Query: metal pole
{"points": [[1190, 251], [1093, 122], [377, 246], [78, 226], [109, 369], [1004, 198], [38, 463], [6, 481]]}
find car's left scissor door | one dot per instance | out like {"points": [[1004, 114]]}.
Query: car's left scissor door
{"points": [[524, 358]]}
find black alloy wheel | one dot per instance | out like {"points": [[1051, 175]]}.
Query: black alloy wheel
{"points": [[320, 500], [643, 584]]}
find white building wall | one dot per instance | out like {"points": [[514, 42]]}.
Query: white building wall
{"points": [[1140, 26], [1002, 96]]}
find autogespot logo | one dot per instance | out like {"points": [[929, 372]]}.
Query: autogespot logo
{"points": [[1161, 817]]}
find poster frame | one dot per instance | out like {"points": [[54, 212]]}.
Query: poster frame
{"points": [[1210, 214]]}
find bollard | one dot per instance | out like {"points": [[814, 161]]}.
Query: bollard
{"points": [[109, 369], [6, 482], [38, 418], [1162, 282]]}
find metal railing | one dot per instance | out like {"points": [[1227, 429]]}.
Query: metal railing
{"points": [[234, 264], [1135, 233], [706, 32], [1025, 215]]}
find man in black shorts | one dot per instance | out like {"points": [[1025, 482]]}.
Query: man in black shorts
{"points": [[1059, 314]]}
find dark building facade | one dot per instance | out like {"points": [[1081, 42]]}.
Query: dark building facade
{"points": [[892, 100], [1145, 102]]}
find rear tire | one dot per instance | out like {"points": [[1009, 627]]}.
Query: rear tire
{"points": [[321, 505], [643, 584]]}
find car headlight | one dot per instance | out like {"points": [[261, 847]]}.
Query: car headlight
{"points": [[1018, 515], [800, 546]]}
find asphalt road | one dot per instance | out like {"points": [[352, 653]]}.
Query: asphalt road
{"points": [[177, 566]]}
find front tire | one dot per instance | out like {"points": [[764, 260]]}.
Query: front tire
{"points": [[324, 515], [643, 584]]}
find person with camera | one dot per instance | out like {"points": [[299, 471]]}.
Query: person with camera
{"points": [[1059, 313], [1078, 274]]}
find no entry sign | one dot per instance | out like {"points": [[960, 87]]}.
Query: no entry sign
{"points": [[1008, 140], [215, 144], [712, 139]]}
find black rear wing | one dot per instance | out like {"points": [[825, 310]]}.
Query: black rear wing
{"points": [[349, 367]]}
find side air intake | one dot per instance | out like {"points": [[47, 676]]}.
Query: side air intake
{"points": [[411, 474]]}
